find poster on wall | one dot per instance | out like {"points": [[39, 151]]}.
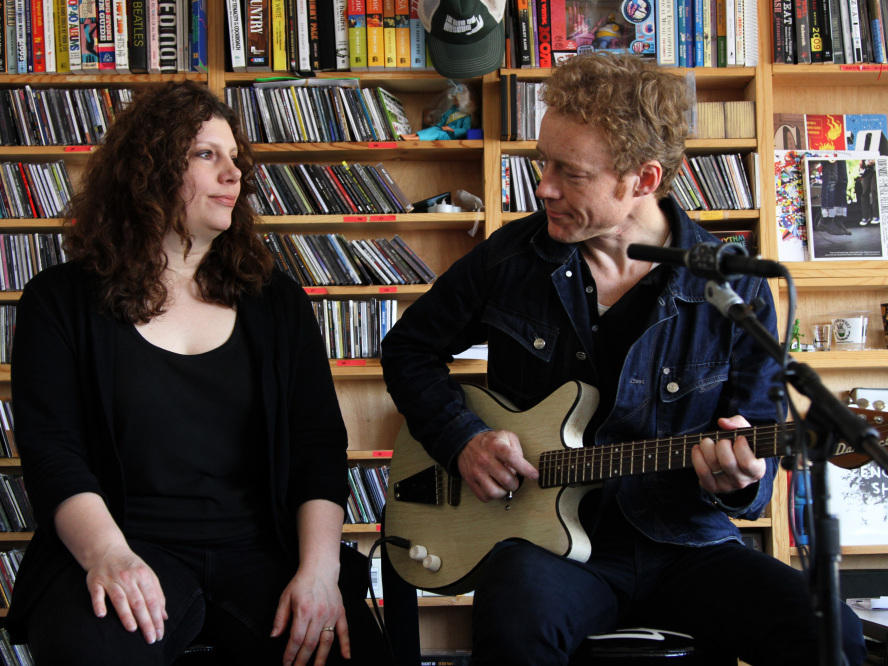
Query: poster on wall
{"points": [[859, 498]]}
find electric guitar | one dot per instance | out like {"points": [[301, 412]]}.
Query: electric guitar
{"points": [[451, 531]]}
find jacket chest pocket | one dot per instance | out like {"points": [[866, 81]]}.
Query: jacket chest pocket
{"points": [[521, 354], [688, 396]]}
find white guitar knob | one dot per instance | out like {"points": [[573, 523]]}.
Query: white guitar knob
{"points": [[417, 553], [432, 562]]}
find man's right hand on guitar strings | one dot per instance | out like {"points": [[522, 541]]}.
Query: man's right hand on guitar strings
{"points": [[492, 463]]}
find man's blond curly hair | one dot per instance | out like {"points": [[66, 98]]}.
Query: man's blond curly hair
{"points": [[641, 108]]}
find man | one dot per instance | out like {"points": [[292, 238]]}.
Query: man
{"points": [[557, 299]]}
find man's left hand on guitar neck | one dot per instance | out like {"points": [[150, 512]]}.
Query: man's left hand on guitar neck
{"points": [[727, 465]]}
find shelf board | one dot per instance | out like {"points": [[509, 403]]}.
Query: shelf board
{"points": [[11, 462], [830, 360], [396, 291], [744, 524], [15, 537], [838, 274], [356, 454], [853, 550], [44, 153], [706, 77], [370, 368], [829, 75], [111, 80], [703, 216], [366, 291], [454, 149], [361, 528], [396, 222], [693, 146], [400, 81], [31, 224], [445, 601]]}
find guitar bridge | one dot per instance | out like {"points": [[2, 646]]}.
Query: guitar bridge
{"points": [[424, 487]]}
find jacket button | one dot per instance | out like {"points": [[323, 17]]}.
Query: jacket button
{"points": [[568, 273], [590, 290], [581, 356], [539, 343], [666, 371], [672, 387]]}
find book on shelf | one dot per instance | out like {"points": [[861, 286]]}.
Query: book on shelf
{"points": [[710, 120], [234, 25], [857, 131], [256, 34], [739, 119], [790, 199], [846, 200]]}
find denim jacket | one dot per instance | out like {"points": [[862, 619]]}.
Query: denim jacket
{"points": [[520, 292]]}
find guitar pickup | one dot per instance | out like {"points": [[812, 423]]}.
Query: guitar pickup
{"points": [[424, 487]]}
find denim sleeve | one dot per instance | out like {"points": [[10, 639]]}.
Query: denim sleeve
{"points": [[416, 351], [753, 373]]}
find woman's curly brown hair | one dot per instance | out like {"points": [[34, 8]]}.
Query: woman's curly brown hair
{"points": [[641, 108], [130, 199]]}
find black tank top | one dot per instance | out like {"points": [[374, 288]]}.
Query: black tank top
{"points": [[187, 433]]}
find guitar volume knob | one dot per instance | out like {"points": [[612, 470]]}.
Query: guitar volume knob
{"points": [[417, 553], [432, 563]]}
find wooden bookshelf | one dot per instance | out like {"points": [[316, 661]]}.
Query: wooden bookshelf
{"points": [[424, 169]]}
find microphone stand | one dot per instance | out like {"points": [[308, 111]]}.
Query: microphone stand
{"points": [[827, 420]]}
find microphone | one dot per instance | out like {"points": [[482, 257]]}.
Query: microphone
{"points": [[713, 261]]}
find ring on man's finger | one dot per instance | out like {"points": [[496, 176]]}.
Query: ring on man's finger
{"points": [[329, 629], [717, 472]]}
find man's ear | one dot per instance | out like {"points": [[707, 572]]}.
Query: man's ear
{"points": [[649, 176]]}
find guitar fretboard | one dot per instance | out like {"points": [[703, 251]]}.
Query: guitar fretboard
{"points": [[564, 467]]}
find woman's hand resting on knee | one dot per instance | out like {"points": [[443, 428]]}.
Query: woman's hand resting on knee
{"points": [[113, 570], [312, 605], [134, 591]]}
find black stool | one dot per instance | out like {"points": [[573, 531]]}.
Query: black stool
{"points": [[637, 646]]}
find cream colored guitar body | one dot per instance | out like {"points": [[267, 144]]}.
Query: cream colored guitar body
{"points": [[461, 534]]}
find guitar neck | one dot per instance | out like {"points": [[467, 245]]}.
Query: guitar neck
{"points": [[598, 463]]}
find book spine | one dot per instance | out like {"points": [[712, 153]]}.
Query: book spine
{"points": [[303, 52], [199, 47], [137, 27], [38, 45], [699, 30], [522, 23], [802, 22], [856, 38], [89, 56], [417, 38], [667, 22], [544, 33], [105, 37], [49, 40], [835, 31], [257, 36], [357, 34], [314, 43], [236, 44], [340, 33], [389, 43], [62, 45], [278, 37], [375, 35], [721, 54], [10, 37], [816, 31], [740, 34], [402, 34], [121, 34]]}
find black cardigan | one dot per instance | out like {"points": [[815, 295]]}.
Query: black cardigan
{"points": [[62, 387]]}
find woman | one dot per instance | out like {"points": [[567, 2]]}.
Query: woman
{"points": [[180, 436]]}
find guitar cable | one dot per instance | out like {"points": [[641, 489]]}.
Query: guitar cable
{"points": [[401, 542]]}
